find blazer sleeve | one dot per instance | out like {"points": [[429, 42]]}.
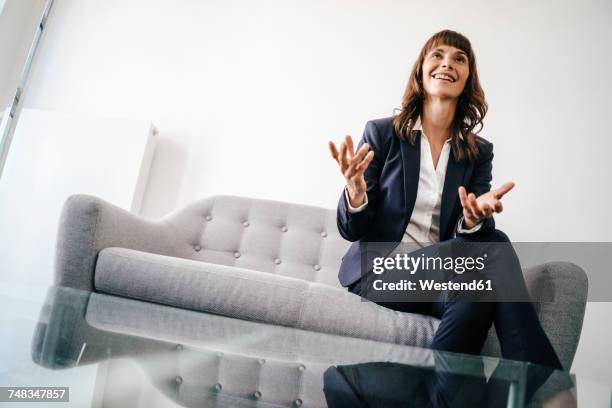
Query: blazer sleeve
{"points": [[480, 183], [353, 226]]}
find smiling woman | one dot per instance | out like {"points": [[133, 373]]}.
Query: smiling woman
{"points": [[423, 177]]}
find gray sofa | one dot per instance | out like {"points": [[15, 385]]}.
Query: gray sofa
{"points": [[268, 262]]}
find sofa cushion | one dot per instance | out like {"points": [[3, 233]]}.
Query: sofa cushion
{"points": [[254, 295]]}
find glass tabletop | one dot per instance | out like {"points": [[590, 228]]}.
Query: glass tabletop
{"points": [[116, 352]]}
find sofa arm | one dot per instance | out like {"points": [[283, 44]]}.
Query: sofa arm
{"points": [[89, 224], [559, 291]]}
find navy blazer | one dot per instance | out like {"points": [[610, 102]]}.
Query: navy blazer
{"points": [[392, 179]]}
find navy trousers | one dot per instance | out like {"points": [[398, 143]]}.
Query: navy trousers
{"points": [[465, 325]]}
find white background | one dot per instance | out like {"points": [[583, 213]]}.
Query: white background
{"points": [[246, 94]]}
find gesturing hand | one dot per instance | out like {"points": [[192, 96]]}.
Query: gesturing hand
{"points": [[477, 209], [352, 167]]}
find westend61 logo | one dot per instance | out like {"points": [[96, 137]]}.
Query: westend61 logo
{"points": [[413, 264]]}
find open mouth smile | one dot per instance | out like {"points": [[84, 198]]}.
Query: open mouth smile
{"points": [[444, 77]]}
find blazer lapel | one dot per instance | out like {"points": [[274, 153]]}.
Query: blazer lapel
{"points": [[450, 195], [411, 157]]}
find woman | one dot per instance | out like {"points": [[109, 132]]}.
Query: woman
{"points": [[423, 177]]}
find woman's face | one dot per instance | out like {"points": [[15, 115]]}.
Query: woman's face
{"points": [[445, 71]]}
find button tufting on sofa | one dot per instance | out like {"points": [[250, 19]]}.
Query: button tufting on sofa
{"points": [[178, 379], [208, 218], [261, 361], [324, 234], [301, 367], [246, 224], [317, 267], [277, 261], [179, 347], [284, 228], [257, 395], [237, 254], [197, 248], [218, 387], [297, 402]]}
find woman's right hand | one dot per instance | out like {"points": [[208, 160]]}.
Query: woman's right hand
{"points": [[352, 167]]}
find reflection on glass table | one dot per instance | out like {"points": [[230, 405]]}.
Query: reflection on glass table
{"points": [[119, 352]]}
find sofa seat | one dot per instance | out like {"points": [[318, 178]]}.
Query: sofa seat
{"points": [[254, 295]]}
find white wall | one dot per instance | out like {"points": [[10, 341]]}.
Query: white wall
{"points": [[246, 94]]}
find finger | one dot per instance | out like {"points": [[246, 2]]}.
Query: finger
{"points": [[476, 210], [499, 207], [360, 155], [463, 196], [480, 209], [500, 192], [487, 209], [357, 165], [361, 167], [467, 211], [350, 147], [333, 150], [471, 201], [362, 152], [342, 161]]}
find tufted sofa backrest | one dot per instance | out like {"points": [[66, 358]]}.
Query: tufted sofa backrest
{"points": [[293, 240]]}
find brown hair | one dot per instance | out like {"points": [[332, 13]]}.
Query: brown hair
{"points": [[471, 106]]}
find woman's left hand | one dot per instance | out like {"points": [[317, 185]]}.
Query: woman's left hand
{"points": [[476, 209]]}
